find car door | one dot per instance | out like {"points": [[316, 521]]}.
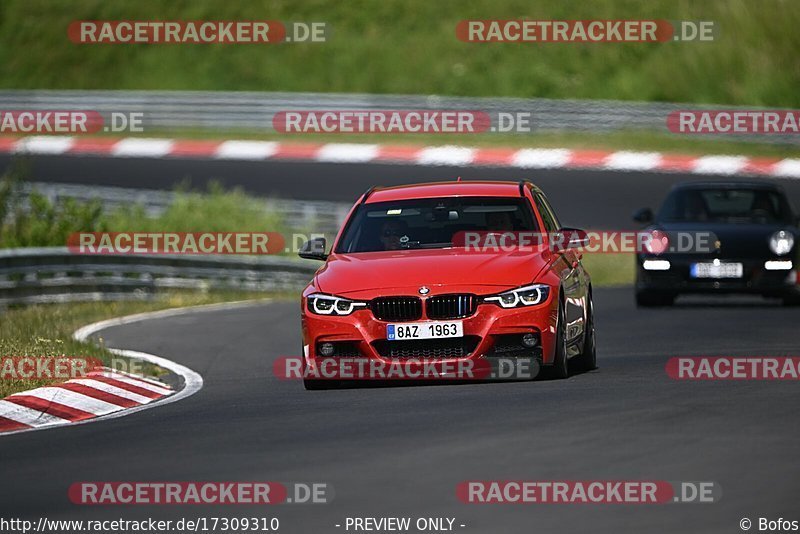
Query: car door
{"points": [[571, 272]]}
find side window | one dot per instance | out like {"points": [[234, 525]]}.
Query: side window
{"points": [[551, 223]]}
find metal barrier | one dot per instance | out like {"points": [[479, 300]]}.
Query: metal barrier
{"points": [[317, 216], [254, 110], [54, 274]]}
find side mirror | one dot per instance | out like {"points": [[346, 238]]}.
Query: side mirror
{"points": [[314, 249], [644, 215], [572, 238]]}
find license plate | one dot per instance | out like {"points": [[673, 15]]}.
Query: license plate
{"points": [[712, 270], [429, 330]]}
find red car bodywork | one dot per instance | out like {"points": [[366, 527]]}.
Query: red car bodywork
{"points": [[365, 276]]}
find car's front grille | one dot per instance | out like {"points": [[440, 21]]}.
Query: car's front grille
{"points": [[457, 347], [450, 306], [396, 308]]}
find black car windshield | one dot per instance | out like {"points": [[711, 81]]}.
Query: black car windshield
{"points": [[431, 222], [726, 205]]}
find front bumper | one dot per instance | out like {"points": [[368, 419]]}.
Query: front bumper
{"points": [[489, 333], [756, 278]]}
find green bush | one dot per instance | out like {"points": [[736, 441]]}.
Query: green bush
{"points": [[46, 223]]}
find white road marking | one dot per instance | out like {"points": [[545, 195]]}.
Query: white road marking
{"points": [[44, 144], [347, 152], [251, 150], [446, 155], [541, 158], [719, 164], [633, 161], [142, 148]]}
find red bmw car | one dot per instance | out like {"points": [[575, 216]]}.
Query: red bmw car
{"points": [[401, 284]]}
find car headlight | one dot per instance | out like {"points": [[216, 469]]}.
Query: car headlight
{"points": [[522, 296], [329, 305], [781, 242]]}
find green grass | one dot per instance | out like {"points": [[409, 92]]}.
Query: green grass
{"points": [[409, 46], [46, 330], [610, 270], [49, 223]]}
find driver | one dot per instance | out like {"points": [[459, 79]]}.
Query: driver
{"points": [[499, 221], [391, 232]]}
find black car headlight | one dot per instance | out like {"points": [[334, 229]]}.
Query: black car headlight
{"points": [[781, 242], [322, 304], [522, 296]]}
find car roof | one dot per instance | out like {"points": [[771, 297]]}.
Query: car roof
{"points": [[730, 184], [483, 188]]}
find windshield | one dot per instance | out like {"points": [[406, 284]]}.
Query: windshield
{"points": [[431, 223], [726, 206]]}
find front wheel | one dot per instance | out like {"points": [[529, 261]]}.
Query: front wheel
{"points": [[588, 357], [560, 367]]}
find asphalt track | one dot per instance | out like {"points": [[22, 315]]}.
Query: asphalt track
{"points": [[592, 199], [400, 451]]}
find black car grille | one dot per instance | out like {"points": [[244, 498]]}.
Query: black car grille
{"points": [[396, 308], [450, 306], [458, 347]]}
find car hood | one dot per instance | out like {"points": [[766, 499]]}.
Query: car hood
{"points": [[736, 240], [442, 271]]}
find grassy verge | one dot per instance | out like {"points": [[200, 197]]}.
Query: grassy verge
{"points": [[47, 223], [610, 270], [46, 330], [410, 47]]}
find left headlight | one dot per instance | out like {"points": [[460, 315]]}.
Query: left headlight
{"points": [[522, 296], [781, 242], [321, 304]]}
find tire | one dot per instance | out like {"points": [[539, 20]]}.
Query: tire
{"points": [[650, 299], [588, 357], [560, 367], [791, 300], [313, 385], [317, 385]]}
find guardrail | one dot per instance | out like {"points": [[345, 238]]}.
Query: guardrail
{"points": [[54, 274], [316, 216], [254, 110]]}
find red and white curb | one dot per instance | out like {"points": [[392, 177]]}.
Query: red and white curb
{"points": [[104, 394], [100, 393], [525, 158]]}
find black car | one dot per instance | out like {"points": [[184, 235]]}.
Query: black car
{"points": [[719, 237]]}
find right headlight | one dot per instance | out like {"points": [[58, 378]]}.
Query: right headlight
{"points": [[781, 242], [522, 296]]}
